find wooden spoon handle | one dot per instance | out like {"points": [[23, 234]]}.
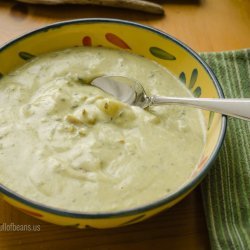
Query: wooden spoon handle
{"points": [[128, 4]]}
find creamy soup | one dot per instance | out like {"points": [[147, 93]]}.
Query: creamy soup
{"points": [[69, 145]]}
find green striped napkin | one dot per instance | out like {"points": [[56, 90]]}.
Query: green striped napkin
{"points": [[226, 190]]}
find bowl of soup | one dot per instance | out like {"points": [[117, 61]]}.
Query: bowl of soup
{"points": [[72, 154]]}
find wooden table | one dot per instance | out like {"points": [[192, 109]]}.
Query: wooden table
{"points": [[205, 25]]}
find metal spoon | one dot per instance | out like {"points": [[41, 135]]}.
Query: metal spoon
{"points": [[131, 92]]}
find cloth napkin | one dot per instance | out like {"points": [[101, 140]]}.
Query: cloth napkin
{"points": [[226, 189]]}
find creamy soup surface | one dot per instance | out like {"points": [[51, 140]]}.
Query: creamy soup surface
{"points": [[69, 145]]}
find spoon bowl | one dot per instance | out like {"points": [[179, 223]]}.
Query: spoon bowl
{"points": [[124, 89]]}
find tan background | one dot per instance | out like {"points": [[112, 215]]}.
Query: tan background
{"points": [[205, 25]]}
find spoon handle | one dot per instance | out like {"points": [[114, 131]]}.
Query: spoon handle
{"points": [[239, 108]]}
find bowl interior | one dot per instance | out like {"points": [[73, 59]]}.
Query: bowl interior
{"points": [[132, 37]]}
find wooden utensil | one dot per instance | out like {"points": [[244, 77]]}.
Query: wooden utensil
{"points": [[141, 5]]}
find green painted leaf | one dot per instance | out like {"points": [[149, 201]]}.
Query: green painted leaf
{"points": [[197, 92], [162, 54], [25, 55], [182, 77], [210, 119], [193, 78]]}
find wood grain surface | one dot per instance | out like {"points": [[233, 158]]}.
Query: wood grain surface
{"points": [[205, 25]]}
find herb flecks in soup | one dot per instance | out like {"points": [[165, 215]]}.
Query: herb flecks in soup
{"points": [[69, 145]]}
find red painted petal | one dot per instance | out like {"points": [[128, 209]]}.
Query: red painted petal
{"points": [[203, 160], [114, 39], [202, 163], [30, 212], [86, 41]]}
